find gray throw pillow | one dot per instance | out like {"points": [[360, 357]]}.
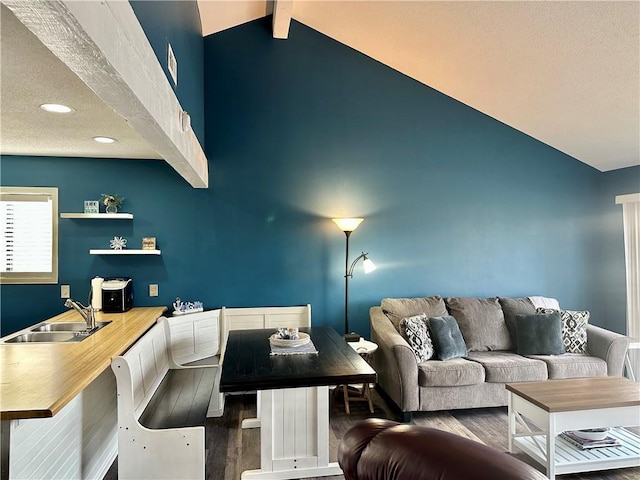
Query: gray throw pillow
{"points": [[539, 334], [447, 338], [398, 308], [481, 322], [512, 307], [574, 328], [414, 330]]}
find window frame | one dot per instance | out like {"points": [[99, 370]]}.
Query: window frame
{"points": [[25, 278]]}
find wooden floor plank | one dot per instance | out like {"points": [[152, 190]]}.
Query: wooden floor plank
{"points": [[231, 450]]}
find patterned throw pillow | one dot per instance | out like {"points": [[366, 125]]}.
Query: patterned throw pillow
{"points": [[414, 330], [574, 328]]}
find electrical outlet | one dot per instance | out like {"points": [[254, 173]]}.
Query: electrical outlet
{"points": [[153, 290], [65, 291]]}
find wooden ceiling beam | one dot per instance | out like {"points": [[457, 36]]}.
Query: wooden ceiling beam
{"points": [[282, 18]]}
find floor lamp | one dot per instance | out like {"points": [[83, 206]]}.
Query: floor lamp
{"points": [[348, 225]]}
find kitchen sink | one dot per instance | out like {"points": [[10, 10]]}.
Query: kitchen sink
{"points": [[42, 337], [66, 327], [58, 332]]}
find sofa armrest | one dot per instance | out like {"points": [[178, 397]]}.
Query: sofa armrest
{"points": [[394, 362], [609, 346]]}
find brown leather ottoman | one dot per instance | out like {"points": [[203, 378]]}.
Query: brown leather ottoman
{"points": [[376, 449]]}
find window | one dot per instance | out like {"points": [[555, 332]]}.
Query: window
{"points": [[29, 244], [631, 224]]}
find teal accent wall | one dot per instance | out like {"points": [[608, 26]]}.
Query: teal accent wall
{"points": [[178, 23], [299, 131]]}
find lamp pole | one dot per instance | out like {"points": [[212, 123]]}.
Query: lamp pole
{"points": [[346, 284], [348, 225]]}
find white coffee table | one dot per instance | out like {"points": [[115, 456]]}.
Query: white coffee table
{"points": [[558, 405]]}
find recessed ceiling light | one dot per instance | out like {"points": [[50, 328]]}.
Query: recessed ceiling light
{"points": [[56, 108], [105, 139]]}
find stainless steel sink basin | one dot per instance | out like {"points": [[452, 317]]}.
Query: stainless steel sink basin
{"points": [[66, 327], [58, 332], [41, 337]]}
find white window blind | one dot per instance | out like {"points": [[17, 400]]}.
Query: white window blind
{"points": [[28, 246]]}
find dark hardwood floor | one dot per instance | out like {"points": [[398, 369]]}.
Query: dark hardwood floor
{"points": [[232, 450]]}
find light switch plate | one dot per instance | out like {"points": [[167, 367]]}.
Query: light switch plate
{"points": [[65, 291], [153, 290], [172, 64]]}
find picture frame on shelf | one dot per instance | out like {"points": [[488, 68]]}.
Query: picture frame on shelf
{"points": [[91, 206], [149, 243]]}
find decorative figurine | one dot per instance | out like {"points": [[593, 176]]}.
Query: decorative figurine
{"points": [[118, 243], [181, 308]]}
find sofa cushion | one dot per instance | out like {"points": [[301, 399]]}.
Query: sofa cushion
{"points": [[481, 322], [414, 330], [573, 365], [447, 338], [504, 367], [454, 373], [539, 334], [398, 308], [574, 329], [512, 307]]}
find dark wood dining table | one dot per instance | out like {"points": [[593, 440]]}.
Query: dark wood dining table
{"points": [[293, 397]]}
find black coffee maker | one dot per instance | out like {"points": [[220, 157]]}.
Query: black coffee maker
{"points": [[117, 295]]}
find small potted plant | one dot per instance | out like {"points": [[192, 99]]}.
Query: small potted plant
{"points": [[111, 202]]}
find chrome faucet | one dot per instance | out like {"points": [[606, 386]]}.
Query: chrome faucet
{"points": [[88, 313]]}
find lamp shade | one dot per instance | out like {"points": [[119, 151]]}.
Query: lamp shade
{"points": [[347, 224], [368, 265]]}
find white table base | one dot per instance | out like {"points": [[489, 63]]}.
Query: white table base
{"points": [[560, 457], [294, 434], [253, 422]]}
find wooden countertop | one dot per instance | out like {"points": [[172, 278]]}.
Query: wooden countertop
{"points": [[38, 380]]}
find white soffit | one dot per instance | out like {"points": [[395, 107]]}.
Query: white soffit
{"points": [[105, 46]]}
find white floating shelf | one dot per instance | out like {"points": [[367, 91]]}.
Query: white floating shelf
{"points": [[101, 216], [125, 251]]}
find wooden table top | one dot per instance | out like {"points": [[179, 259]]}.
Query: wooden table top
{"points": [[579, 393], [38, 380], [248, 364]]}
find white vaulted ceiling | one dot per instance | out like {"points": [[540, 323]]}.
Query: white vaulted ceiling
{"points": [[564, 72]]}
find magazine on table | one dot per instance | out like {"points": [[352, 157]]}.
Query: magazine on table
{"points": [[574, 438]]}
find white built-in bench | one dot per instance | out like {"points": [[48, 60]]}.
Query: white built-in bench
{"points": [[168, 383], [197, 339], [162, 408]]}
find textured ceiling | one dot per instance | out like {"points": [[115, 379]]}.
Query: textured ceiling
{"points": [[31, 75], [565, 73]]}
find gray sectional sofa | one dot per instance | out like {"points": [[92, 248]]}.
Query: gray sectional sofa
{"points": [[477, 379]]}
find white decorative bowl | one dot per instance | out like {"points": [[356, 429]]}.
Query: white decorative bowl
{"points": [[285, 342], [592, 433]]}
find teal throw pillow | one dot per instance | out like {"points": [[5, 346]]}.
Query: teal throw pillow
{"points": [[539, 334], [446, 337]]}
